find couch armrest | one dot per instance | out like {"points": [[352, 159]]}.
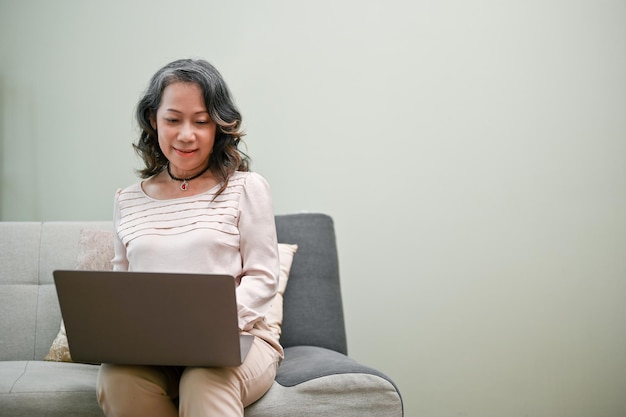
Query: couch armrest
{"points": [[318, 382], [304, 363]]}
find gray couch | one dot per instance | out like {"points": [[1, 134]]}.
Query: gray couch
{"points": [[316, 377]]}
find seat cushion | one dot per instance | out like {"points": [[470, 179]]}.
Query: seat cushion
{"points": [[34, 388], [341, 388]]}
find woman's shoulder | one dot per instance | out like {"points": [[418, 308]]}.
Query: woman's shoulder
{"points": [[247, 177], [129, 193], [247, 181], [130, 189]]}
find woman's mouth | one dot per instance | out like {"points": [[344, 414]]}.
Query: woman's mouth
{"points": [[185, 153]]}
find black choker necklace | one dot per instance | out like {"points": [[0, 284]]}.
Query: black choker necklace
{"points": [[185, 181]]}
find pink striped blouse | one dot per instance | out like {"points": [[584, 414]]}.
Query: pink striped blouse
{"points": [[234, 234]]}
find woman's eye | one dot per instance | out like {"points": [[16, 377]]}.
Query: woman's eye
{"points": [[202, 122], [170, 120]]}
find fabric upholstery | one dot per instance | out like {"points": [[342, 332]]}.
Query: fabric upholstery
{"points": [[19, 253], [51, 389], [338, 395], [313, 310], [38, 388], [304, 363]]}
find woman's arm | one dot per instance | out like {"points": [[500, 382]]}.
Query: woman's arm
{"points": [[259, 252]]}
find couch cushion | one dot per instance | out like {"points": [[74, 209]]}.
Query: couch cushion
{"points": [[340, 395], [17, 327], [41, 376], [50, 404], [19, 252], [32, 388], [19, 256], [305, 363], [313, 311]]}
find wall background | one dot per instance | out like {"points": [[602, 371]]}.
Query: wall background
{"points": [[472, 154]]}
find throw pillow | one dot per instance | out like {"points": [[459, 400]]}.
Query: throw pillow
{"points": [[274, 316]]}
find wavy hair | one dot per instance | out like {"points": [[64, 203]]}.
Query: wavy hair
{"points": [[226, 157]]}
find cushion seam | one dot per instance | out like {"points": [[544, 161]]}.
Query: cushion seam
{"points": [[38, 289], [19, 377]]}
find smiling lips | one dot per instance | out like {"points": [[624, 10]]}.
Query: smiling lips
{"points": [[185, 153]]}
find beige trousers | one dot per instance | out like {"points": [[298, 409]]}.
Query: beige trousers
{"points": [[134, 391]]}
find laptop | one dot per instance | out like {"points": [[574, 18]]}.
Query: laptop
{"points": [[146, 318]]}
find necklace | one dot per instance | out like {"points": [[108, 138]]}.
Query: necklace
{"points": [[185, 181]]}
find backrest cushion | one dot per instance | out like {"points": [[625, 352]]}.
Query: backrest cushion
{"points": [[313, 310], [19, 287]]}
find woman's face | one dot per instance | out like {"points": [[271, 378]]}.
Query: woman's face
{"points": [[185, 131]]}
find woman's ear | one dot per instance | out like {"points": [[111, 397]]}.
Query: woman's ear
{"points": [[153, 121]]}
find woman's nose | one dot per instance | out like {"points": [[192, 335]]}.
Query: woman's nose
{"points": [[186, 132]]}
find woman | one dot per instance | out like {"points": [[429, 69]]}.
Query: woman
{"points": [[198, 210]]}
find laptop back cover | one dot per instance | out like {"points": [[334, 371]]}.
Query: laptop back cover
{"points": [[145, 318]]}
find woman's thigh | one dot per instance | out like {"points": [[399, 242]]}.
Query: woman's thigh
{"points": [[137, 390], [229, 390]]}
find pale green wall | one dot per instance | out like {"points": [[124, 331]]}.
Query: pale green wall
{"points": [[472, 153]]}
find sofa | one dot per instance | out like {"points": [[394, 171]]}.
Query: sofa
{"points": [[316, 377]]}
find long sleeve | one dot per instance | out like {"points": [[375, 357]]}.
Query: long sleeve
{"points": [[259, 252]]}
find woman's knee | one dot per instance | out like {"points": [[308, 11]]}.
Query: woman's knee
{"points": [[210, 391], [122, 389]]}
